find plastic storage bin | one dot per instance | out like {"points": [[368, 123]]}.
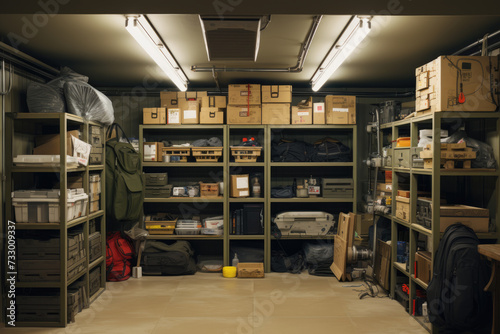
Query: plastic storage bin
{"points": [[42, 206]]}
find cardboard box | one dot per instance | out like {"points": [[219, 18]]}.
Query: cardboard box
{"points": [[50, 144], [404, 193], [241, 115], [275, 113], [386, 187], [213, 102], [192, 95], [438, 89], [152, 151], [423, 266], [174, 116], [403, 208], [240, 185], [250, 270], [169, 100], [478, 224], [301, 115], [382, 264], [244, 95], [190, 111], [211, 116], [340, 109], [73, 182], [319, 113], [277, 94], [154, 116]]}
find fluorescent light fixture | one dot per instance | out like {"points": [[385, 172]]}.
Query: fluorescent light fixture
{"points": [[139, 27], [355, 32]]}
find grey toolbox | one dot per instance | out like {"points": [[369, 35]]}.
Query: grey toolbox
{"points": [[416, 161], [401, 157], [95, 248], [337, 188], [158, 192], [304, 222], [156, 179]]}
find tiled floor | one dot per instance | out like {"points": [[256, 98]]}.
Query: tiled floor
{"points": [[208, 303]]}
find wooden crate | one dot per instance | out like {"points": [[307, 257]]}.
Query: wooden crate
{"points": [[209, 189], [160, 224], [182, 152], [246, 153], [207, 154]]}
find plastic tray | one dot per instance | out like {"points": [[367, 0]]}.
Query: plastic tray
{"points": [[187, 231], [212, 231], [45, 160]]}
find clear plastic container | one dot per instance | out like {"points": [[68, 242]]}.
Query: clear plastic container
{"points": [[187, 230], [212, 231]]}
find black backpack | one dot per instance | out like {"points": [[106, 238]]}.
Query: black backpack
{"points": [[456, 300], [124, 181], [290, 151]]}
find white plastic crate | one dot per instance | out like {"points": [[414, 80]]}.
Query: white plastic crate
{"points": [[42, 206], [44, 160]]}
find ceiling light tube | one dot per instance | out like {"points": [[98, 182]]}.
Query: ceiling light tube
{"points": [[353, 35], [145, 35]]}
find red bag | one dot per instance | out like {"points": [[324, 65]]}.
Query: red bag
{"points": [[119, 252]]}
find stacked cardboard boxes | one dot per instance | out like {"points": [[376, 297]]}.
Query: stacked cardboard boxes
{"points": [[94, 192], [340, 109], [182, 107], [244, 104], [97, 141], [276, 101], [302, 112], [212, 109]]}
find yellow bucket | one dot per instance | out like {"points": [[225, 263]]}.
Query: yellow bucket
{"points": [[229, 272]]}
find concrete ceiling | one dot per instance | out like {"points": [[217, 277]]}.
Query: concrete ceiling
{"points": [[99, 46]]}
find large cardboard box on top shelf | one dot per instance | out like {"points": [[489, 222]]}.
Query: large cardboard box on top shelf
{"points": [[246, 94], [190, 111], [438, 89], [211, 115], [169, 100], [319, 113], [277, 94], [50, 144], [213, 101], [242, 115], [302, 112], [340, 109], [275, 113], [154, 116]]}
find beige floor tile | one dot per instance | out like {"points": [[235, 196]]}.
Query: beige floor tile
{"points": [[283, 306], [144, 286], [129, 307], [204, 325], [215, 306], [302, 285], [215, 287], [143, 325], [388, 324], [275, 325]]}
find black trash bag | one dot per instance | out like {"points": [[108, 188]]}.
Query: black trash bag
{"points": [[86, 101], [318, 253], [282, 263], [66, 74], [43, 98], [200, 143], [484, 152]]}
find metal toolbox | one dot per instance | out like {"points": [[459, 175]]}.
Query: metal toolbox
{"points": [[304, 222], [156, 179], [416, 161], [401, 158], [95, 249], [337, 188], [158, 192]]}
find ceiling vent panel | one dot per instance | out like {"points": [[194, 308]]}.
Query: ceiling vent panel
{"points": [[233, 39]]}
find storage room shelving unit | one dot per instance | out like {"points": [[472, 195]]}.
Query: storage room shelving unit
{"points": [[477, 187], [274, 173], [21, 129]]}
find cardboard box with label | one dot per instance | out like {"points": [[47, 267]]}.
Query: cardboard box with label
{"points": [[154, 116], [319, 113], [275, 113], [244, 95], [213, 102], [50, 144], [153, 151], [242, 115], [456, 83], [211, 116], [277, 94], [190, 110], [174, 116], [302, 112], [240, 186], [169, 100], [340, 109]]}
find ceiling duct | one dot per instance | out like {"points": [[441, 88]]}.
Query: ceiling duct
{"points": [[231, 39]]}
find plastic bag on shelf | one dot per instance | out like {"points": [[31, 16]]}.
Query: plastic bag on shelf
{"points": [[66, 74], [43, 98], [484, 152], [86, 101]]}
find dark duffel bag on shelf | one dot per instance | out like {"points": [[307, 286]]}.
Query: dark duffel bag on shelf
{"points": [[331, 150], [158, 258], [290, 151]]}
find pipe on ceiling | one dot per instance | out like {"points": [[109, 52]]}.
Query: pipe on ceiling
{"points": [[477, 43], [294, 69], [27, 62]]}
